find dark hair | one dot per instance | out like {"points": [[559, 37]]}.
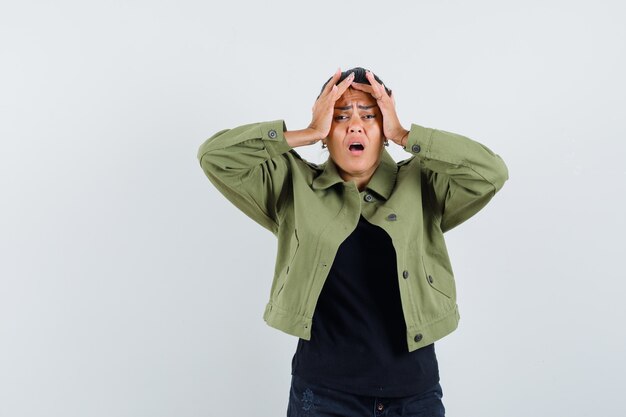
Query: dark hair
{"points": [[359, 77]]}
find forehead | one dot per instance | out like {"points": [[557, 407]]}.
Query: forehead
{"points": [[351, 96]]}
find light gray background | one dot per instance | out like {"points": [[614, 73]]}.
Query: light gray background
{"points": [[120, 262]]}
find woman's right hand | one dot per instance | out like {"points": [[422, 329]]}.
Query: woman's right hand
{"points": [[325, 103], [322, 113]]}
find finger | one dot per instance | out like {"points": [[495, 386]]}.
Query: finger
{"points": [[332, 81], [343, 86], [379, 90], [366, 88], [375, 86], [370, 77], [363, 87]]}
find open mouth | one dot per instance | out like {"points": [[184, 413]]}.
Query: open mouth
{"points": [[356, 148]]}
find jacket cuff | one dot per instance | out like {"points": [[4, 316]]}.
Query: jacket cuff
{"points": [[272, 134], [419, 140]]}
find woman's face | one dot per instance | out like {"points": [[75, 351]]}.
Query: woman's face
{"points": [[355, 141]]}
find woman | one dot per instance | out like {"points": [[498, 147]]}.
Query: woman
{"points": [[362, 272]]}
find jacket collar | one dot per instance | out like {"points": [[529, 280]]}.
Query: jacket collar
{"points": [[382, 182]]}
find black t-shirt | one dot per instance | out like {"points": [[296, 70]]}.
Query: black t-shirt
{"points": [[358, 340]]}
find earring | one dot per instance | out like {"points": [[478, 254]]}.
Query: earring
{"points": [[386, 142], [323, 145]]}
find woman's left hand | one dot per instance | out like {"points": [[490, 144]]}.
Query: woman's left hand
{"points": [[392, 129]]}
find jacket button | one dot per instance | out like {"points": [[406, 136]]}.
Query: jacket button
{"points": [[369, 198], [405, 274], [272, 134], [416, 148], [430, 279], [418, 337], [392, 217]]}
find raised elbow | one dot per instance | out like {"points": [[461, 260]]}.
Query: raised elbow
{"points": [[500, 174]]}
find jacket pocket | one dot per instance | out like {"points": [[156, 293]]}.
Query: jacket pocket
{"points": [[439, 278], [294, 244]]}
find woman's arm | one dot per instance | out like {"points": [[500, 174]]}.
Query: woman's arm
{"points": [[463, 173], [250, 165], [302, 137]]}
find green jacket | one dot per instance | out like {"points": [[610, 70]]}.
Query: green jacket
{"points": [[311, 210]]}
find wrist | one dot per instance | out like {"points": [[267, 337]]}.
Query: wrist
{"points": [[404, 138], [302, 137], [401, 137], [314, 133]]}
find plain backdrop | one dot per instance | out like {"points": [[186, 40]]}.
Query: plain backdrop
{"points": [[120, 262]]}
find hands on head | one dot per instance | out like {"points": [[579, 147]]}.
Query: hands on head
{"points": [[323, 109], [324, 105]]}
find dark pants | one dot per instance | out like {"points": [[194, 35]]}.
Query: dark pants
{"points": [[310, 400]]}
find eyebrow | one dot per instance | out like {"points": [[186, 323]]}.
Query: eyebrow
{"points": [[359, 106]]}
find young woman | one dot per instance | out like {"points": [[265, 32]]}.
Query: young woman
{"points": [[362, 272]]}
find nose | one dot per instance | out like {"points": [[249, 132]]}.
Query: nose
{"points": [[355, 124]]}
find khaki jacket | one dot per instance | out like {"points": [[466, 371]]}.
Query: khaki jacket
{"points": [[311, 211]]}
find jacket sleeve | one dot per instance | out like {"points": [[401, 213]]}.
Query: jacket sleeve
{"points": [[463, 173], [248, 166]]}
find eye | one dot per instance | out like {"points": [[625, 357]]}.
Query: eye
{"points": [[369, 116], [341, 118]]}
